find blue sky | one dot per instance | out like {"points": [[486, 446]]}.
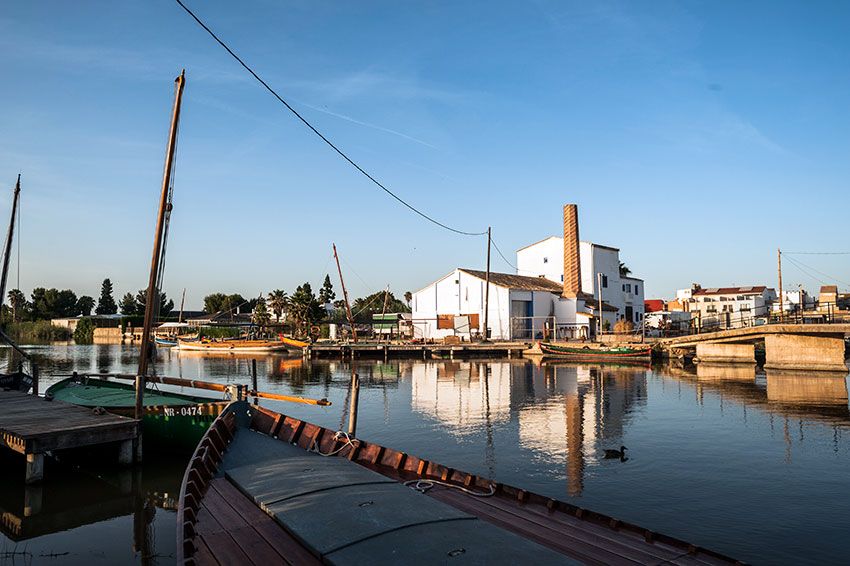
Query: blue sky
{"points": [[696, 136]]}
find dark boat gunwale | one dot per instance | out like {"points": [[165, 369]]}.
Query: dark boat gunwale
{"points": [[204, 463]]}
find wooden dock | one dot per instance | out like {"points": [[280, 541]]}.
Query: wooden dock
{"points": [[416, 351], [34, 426]]}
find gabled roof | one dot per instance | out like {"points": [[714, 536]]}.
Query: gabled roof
{"points": [[521, 282], [539, 242], [751, 290], [829, 289]]}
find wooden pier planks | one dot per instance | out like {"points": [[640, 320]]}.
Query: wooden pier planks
{"points": [[34, 425]]}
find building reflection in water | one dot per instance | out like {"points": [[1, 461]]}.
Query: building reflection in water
{"points": [[564, 412]]}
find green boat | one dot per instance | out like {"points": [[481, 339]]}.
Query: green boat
{"points": [[587, 353], [171, 421]]}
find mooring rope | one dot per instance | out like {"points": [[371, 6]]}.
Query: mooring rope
{"points": [[339, 434], [424, 485]]}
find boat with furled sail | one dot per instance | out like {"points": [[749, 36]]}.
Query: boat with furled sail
{"points": [[264, 484], [594, 353]]}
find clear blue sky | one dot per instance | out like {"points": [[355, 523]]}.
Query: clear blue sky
{"points": [[695, 136]]}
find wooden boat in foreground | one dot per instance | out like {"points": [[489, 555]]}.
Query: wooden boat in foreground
{"points": [[588, 353], [259, 487]]}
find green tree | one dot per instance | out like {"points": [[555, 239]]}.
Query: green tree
{"points": [[261, 316], [85, 304], [216, 302], [304, 309], [408, 297], [18, 302], [278, 301], [84, 332], [624, 270], [326, 293], [128, 304], [53, 303], [363, 308], [106, 304], [165, 304]]}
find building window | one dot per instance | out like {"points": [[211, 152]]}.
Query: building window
{"points": [[628, 287], [545, 260], [604, 281], [637, 290], [624, 288], [637, 317]]}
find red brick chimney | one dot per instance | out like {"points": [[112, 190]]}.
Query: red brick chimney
{"points": [[572, 262]]}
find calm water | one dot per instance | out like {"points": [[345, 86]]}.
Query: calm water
{"points": [[753, 465]]}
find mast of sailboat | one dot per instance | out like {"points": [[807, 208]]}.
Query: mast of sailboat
{"points": [[7, 253], [153, 294], [182, 300], [345, 296]]}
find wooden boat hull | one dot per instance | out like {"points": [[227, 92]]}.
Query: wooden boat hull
{"points": [[587, 353], [246, 482], [171, 421], [235, 346]]}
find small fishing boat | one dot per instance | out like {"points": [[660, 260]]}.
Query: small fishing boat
{"points": [[588, 353], [235, 346], [262, 484], [170, 421]]}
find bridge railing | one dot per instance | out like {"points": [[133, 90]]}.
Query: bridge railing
{"points": [[823, 313]]}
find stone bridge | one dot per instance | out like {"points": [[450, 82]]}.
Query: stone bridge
{"points": [[813, 347]]}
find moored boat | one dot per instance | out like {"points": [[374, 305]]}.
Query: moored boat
{"points": [[170, 421], [588, 353], [264, 484], [248, 346]]}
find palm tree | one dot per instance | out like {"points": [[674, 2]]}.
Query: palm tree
{"points": [[408, 296], [277, 302], [260, 316], [624, 270], [18, 301]]}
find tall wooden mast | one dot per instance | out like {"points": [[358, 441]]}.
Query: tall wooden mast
{"points": [[345, 296], [7, 254], [153, 295]]}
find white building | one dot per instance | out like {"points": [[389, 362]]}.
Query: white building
{"points": [[729, 307], [519, 306], [599, 265], [547, 298]]}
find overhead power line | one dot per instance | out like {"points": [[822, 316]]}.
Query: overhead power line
{"points": [[815, 253], [318, 133], [502, 255], [803, 267]]}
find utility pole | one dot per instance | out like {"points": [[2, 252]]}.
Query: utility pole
{"points": [[487, 287], [599, 286], [781, 294], [8, 251], [153, 291], [384, 313], [345, 296]]}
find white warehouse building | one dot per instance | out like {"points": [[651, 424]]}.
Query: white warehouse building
{"points": [[600, 269], [555, 293]]}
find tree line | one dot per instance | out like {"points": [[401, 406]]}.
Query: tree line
{"points": [[304, 308], [46, 304]]}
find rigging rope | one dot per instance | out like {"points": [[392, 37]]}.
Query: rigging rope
{"points": [[424, 485], [339, 434], [318, 133]]}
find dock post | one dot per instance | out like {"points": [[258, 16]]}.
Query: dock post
{"points": [[35, 468], [35, 379], [32, 500], [352, 407], [254, 380], [125, 452]]}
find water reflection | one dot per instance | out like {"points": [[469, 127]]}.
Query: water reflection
{"points": [[544, 427]]}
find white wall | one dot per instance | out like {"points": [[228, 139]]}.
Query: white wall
{"points": [[544, 258]]}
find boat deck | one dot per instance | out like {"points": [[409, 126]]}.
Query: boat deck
{"points": [[273, 502], [32, 425]]}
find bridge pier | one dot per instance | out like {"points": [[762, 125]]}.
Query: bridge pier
{"points": [[805, 353], [726, 372], [827, 388], [726, 353]]}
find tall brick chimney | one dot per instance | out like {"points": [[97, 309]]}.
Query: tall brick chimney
{"points": [[572, 262]]}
